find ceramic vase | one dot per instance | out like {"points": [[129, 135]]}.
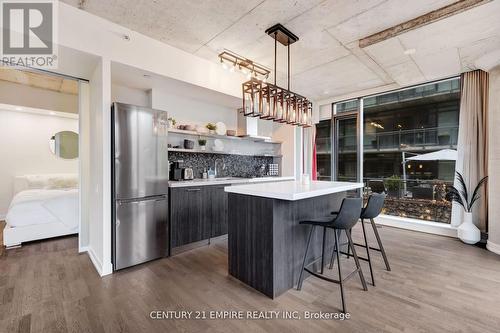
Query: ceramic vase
{"points": [[467, 231]]}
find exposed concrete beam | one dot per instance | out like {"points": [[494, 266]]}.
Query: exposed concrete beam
{"points": [[435, 15]]}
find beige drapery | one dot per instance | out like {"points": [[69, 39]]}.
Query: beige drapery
{"points": [[472, 147]]}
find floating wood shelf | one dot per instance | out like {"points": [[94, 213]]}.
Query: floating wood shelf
{"points": [[223, 137]]}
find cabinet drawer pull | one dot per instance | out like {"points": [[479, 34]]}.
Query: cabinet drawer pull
{"points": [[193, 189]]}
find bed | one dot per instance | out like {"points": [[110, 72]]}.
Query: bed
{"points": [[43, 206]]}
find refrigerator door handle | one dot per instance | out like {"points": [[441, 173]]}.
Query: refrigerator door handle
{"points": [[139, 200]]}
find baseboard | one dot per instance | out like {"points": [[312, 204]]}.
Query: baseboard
{"points": [[2, 217], [83, 249], [107, 269], [97, 263], [495, 248], [436, 228], [101, 270]]}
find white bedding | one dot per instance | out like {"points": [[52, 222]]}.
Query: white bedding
{"points": [[41, 206]]}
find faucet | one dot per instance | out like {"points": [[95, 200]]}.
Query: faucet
{"points": [[215, 165]]}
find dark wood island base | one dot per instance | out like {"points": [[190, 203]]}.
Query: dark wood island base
{"points": [[266, 244]]}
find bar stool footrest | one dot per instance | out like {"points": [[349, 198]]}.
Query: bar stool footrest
{"points": [[364, 246], [321, 276], [347, 254]]}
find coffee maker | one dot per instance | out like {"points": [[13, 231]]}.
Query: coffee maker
{"points": [[176, 171]]}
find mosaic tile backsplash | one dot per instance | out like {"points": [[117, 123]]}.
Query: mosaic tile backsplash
{"points": [[236, 165]]}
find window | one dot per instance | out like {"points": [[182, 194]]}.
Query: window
{"points": [[397, 126], [324, 150]]}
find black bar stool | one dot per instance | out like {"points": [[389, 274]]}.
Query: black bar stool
{"points": [[346, 218], [372, 210]]}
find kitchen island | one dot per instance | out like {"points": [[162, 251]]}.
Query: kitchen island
{"points": [[266, 244]]}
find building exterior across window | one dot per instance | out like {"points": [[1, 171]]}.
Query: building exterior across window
{"points": [[373, 139]]}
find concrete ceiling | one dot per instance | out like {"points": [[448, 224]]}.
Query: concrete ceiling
{"points": [[327, 60]]}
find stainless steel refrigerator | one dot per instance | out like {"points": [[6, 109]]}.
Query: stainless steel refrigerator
{"points": [[140, 185]]}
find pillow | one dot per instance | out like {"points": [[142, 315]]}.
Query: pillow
{"points": [[62, 183], [47, 182]]}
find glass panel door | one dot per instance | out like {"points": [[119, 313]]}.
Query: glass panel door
{"points": [[346, 152], [324, 150]]}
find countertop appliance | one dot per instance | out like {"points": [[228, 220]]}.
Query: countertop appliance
{"points": [[140, 185], [176, 173], [188, 173]]}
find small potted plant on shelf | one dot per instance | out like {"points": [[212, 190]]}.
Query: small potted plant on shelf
{"points": [[202, 143], [211, 127], [467, 231], [171, 122]]}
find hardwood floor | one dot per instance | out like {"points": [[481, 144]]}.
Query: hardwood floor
{"points": [[437, 284]]}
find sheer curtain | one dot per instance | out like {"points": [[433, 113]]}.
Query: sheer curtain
{"points": [[472, 146], [309, 152]]}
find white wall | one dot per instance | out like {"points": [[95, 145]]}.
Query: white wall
{"points": [[128, 95], [494, 162], [187, 110], [25, 149], [85, 165], [20, 94], [287, 134], [99, 143]]}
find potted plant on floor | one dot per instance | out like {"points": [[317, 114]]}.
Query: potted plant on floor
{"points": [[393, 185], [202, 143], [467, 231]]}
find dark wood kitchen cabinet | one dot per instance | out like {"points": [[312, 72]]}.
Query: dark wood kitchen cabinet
{"points": [[188, 223], [197, 213], [217, 210]]}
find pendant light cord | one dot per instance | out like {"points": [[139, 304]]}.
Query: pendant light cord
{"points": [[275, 52], [288, 64]]}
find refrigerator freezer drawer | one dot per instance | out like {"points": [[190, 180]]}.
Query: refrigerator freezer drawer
{"points": [[141, 231]]}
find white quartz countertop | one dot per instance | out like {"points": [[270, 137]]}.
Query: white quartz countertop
{"points": [[293, 190], [226, 181]]}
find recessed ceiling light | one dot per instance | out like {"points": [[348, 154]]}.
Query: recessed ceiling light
{"points": [[410, 51], [326, 92], [18, 108], [52, 113]]}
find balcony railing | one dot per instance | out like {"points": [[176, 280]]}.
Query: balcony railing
{"points": [[419, 199], [445, 136]]}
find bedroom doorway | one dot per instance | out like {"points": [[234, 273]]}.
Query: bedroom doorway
{"points": [[40, 173]]}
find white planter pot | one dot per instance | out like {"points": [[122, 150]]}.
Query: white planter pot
{"points": [[203, 147], [467, 231]]}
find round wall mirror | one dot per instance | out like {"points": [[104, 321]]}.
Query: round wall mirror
{"points": [[64, 145]]}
